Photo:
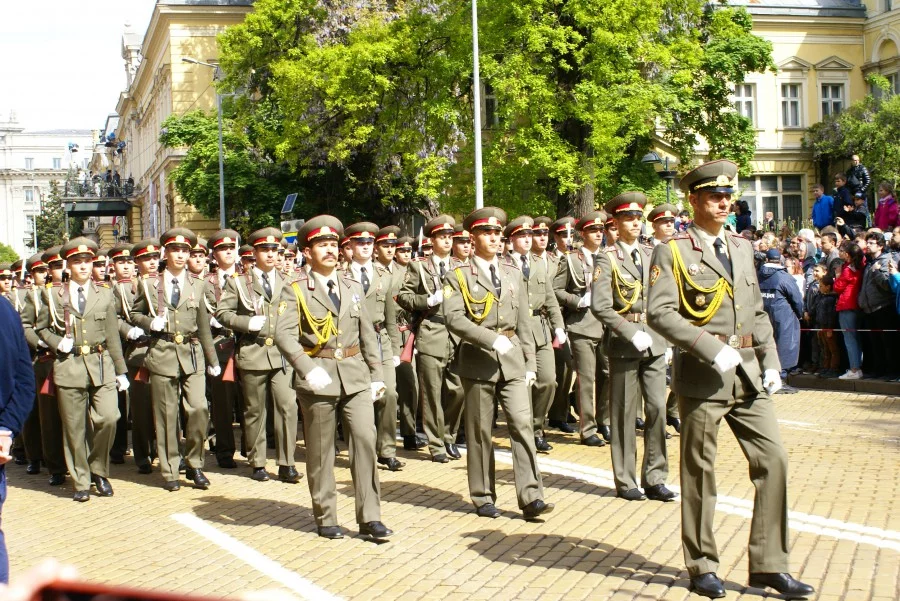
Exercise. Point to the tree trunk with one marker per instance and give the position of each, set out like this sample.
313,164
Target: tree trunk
584,198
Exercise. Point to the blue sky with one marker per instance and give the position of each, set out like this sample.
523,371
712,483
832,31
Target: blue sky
60,60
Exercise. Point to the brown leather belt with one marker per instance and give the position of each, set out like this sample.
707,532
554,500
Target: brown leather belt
736,341
337,353
539,312
507,333
378,326
85,349
221,332
635,317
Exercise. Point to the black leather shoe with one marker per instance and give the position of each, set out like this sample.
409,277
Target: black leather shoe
259,474
441,458
145,468
332,532
172,485
413,443
104,488
82,496
542,445
19,456
783,583
117,458
593,441
638,423
708,585
56,479
675,423
182,466
488,510
33,467
197,475
605,432
227,463
289,474
375,530
536,508
632,494
659,492
571,419
392,463
452,451
561,426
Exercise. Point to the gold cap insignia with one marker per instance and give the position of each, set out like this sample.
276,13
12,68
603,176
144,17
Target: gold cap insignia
82,248
493,221
179,239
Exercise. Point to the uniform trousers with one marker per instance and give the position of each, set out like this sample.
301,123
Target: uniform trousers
407,397
120,440
143,436
87,451
386,413
51,436
358,416
544,387
479,413
630,382
166,405
442,400
751,417
559,407
223,400
592,384
258,386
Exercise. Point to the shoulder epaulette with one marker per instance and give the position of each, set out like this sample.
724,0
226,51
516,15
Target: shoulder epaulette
511,264
420,259
196,276
103,284
150,276
54,285
681,236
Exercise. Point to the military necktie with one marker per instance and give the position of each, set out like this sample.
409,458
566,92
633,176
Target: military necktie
495,280
364,278
176,293
526,269
723,256
332,294
82,302
442,268
267,287
636,257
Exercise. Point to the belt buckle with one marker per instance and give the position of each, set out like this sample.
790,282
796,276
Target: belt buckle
338,354
269,341
179,338
85,349
643,318
734,341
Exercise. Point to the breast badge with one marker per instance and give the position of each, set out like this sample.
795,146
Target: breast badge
597,271
654,274
282,307
700,300
693,269
448,291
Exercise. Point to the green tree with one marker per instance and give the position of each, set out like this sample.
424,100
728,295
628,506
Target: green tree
51,223
7,254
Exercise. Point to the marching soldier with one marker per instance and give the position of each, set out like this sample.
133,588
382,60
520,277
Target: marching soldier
78,319
172,310
327,336
704,298
637,354
486,307
558,416
572,284
122,273
545,321
462,244
6,282
422,295
246,253
100,269
13,289
198,260
407,381
250,307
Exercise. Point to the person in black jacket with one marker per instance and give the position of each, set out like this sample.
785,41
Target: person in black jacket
784,304
858,178
17,391
842,194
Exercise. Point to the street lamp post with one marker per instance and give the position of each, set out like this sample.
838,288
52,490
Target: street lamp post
665,173
216,74
476,76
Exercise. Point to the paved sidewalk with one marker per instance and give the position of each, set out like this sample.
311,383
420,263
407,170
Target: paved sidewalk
241,535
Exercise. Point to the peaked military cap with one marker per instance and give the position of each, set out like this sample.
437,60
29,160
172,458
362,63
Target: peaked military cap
715,176
442,224
51,255
267,236
663,211
290,249
363,230
487,218
100,256
145,247
223,237
461,234
245,251
626,203
120,252
321,227
201,244
5,270
593,219
522,224
541,224
562,224
389,234
79,246
35,261
179,235
17,266
405,244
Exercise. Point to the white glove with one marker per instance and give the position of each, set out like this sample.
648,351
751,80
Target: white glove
560,336
530,378
727,359
669,355
159,323
134,333
65,345
42,344
214,370
396,360
585,300
772,381
436,299
122,383
318,379
502,345
642,340
378,390
256,323
214,323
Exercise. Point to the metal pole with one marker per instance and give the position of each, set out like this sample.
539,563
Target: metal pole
221,165
479,187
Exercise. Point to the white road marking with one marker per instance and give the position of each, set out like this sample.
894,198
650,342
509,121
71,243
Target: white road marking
802,522
271,568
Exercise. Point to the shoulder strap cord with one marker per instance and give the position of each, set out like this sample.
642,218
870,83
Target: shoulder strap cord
488,298
720,288
619,284
323,329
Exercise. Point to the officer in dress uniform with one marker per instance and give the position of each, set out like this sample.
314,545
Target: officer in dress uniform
246,254
326,334
27,445
486,307
121,274
422,295
545,319
250,306
100,268
78,319
704,298
573,291
462,244
407,381
637,354
171,309
199,259
563,231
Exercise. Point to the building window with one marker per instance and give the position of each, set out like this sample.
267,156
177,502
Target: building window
893,83
491,118
29,163
790,105
832,99
744,95
888,5
29,196
57,163
782,195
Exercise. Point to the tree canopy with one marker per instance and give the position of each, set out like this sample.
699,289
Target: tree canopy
7,254
51,223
